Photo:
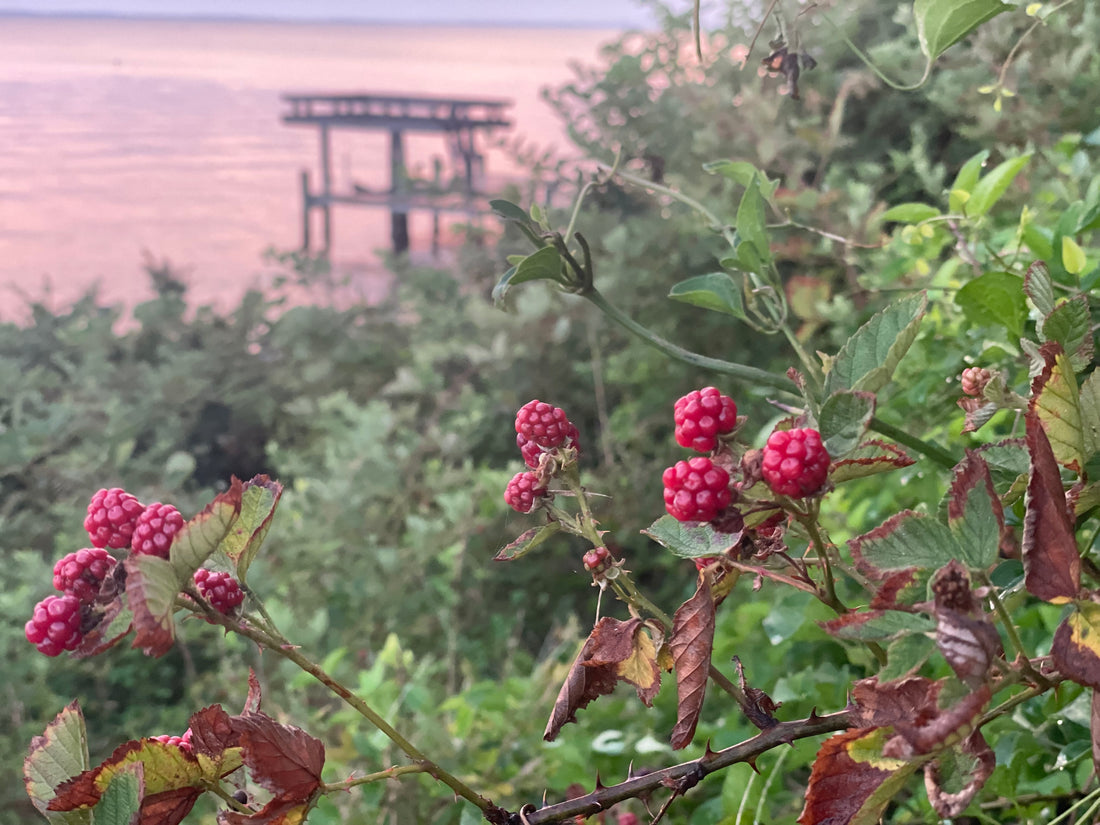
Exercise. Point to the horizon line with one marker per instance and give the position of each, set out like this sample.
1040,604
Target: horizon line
249,18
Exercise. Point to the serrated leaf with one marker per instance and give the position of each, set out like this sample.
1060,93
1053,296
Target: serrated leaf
690,540
995,299
1007,461
843,421
1089,400
995,183
121,801
716,291
527,542
691,643
868,359
1052,566
878,625
1039,288
1073,256
907,539
870,458
55,757
974,511
751,225
199,538
640,668
1070,324
1076,646
905,655
910,213
942,23
954,778
1056,402
258,501
151,589
851,782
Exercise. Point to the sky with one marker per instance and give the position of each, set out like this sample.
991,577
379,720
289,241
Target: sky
628,13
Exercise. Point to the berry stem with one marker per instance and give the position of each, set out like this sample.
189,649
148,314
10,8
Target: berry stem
226,797
293,654
389,773
1022,658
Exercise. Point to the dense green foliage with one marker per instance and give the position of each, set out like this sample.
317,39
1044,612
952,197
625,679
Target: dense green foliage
390,425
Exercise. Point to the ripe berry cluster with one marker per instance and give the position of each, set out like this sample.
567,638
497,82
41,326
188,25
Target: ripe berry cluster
541,428
115,519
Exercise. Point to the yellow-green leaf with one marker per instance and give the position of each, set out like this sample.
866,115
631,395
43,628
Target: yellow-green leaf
55,757
1073,257
1057,403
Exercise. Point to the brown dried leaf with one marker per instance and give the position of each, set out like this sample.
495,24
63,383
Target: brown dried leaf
582,685
169,807
852,781
691,644
978,412
1076,646
1052,567
957,775
949,727
912,699
281,758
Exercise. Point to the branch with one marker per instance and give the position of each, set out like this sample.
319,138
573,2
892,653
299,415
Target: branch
686,774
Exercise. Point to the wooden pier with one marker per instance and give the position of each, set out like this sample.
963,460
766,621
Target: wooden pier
459,121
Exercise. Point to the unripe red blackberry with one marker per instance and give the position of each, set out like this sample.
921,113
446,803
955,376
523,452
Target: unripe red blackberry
701,416
181,742
522,490
795,462
112,515
546,425
974,380
81,573
530,451
55,625
696,489
219,588
627,818
597,560
155,529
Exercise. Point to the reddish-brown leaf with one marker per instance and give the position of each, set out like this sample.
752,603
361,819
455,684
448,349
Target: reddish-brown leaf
594,672
1076,646
950,726
1052,567
964,634
112,625
852,782
900,589
691,644
168,807
913,699
213,732
969,765
869,458
151,588
978,412
281,758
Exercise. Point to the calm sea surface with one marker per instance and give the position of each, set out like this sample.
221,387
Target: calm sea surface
124,136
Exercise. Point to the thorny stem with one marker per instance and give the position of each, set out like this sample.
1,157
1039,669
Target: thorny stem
292,654
1010,628
388,773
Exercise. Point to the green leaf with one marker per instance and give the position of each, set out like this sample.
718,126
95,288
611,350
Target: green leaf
1070,324
965,181
501,286
974,512
942,23
739,171
541,265
905,540
199,538
1090,414
751,226
121,801
1039,288
510,211
878,625
55,757
905,655
151,588
843,421
690,540
717,291
993,185
910,213
995,299
868,359
259,498
1073,256
870,458
527,542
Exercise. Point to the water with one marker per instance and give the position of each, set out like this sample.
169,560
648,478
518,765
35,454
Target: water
121,138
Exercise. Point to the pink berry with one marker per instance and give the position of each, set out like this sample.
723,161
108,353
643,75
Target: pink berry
522,490
81,573
545,425
701,416
55,625
155,529
219,588
974,380
597,560
181,742
112,515
795,462
696,489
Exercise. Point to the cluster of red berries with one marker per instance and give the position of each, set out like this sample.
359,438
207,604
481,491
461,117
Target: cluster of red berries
181,742
540,428
974,380
794,462
115,519
597,560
